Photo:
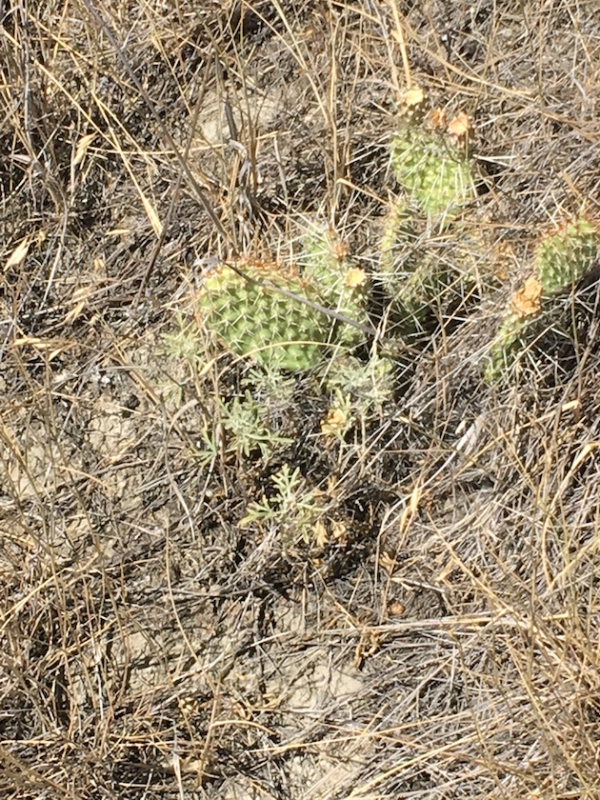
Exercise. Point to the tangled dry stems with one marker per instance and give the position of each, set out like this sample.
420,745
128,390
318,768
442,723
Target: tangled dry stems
440,639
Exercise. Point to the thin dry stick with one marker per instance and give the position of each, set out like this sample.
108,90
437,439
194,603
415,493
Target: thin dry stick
399,37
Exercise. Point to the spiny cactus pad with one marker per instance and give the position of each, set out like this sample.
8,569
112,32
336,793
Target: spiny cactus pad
436,175
414,275
278,331
561,260
565,257
258,321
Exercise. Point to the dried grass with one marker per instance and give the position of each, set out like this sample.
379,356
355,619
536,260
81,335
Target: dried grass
443,642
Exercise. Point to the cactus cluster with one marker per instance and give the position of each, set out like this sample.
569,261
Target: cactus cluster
436,174
561,260
437,179
255,319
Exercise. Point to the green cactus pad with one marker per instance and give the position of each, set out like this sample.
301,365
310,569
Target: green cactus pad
561,260
340,285
254,319
564,258
258,321
435,175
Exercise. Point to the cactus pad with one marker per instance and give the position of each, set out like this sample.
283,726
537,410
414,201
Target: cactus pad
417,274
561,260
435,174
564,258
340,285
254,319
398,243
258,321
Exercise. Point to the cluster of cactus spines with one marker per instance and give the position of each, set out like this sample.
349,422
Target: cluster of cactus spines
561,260
254,319
565,257
430,163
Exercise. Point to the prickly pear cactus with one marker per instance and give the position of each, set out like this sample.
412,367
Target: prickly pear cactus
510,339
430,159
399,244
561,260
566,257
420,274
432,165
276,330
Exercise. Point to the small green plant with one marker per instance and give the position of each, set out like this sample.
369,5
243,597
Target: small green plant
183,347
270,387
182,343
294,509
244,422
